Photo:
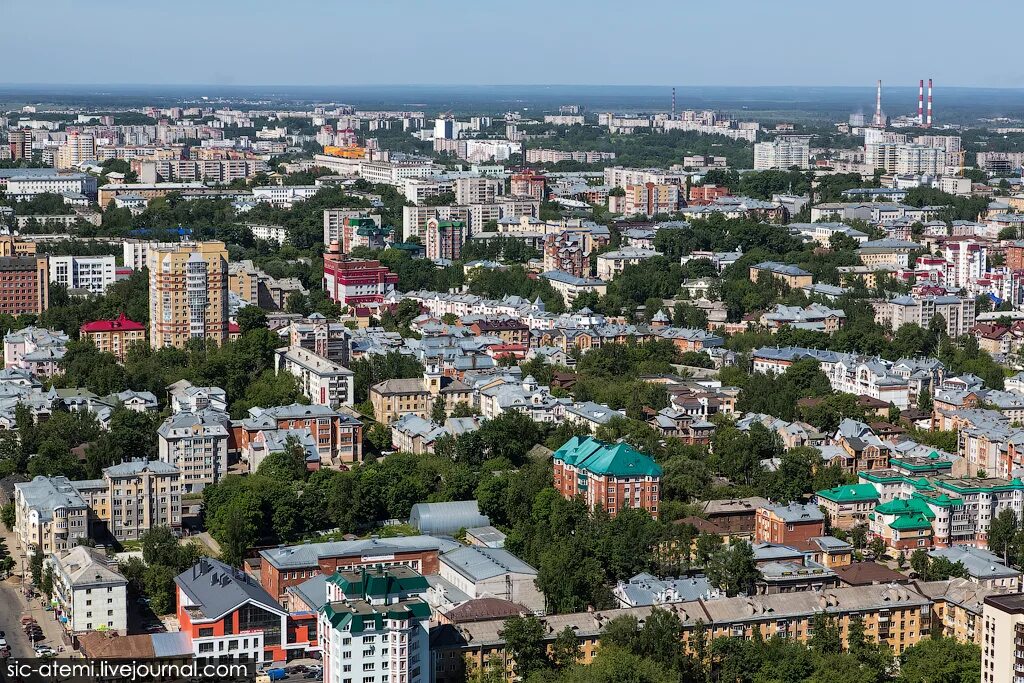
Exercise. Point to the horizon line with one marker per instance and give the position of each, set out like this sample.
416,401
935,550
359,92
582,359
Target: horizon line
870,85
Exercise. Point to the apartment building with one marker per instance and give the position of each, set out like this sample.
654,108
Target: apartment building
794,524
783,152
76,148
21,187
284,196
24,285
135,253
323,381
115,336
51,515
613,477
529,184
335,221
321,336
394,172
142,494
611,263
958,313
1002,646
792,276
571,287
849,505
445,239
91,273
337,437
89,591
396,397
376,626
197,445
352,282
188,294
648,199
222,171
480,190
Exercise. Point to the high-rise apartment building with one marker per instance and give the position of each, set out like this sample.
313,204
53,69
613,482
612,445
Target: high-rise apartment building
24,282
188,293
21,143
78,147
92,273
445,239
783,152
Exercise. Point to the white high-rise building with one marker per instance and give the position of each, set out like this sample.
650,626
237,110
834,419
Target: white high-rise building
783,152
375,626
93,273
920,160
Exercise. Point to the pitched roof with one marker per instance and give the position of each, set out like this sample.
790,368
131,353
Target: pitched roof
215,588
619,460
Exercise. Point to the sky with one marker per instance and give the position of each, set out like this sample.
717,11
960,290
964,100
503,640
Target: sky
536,42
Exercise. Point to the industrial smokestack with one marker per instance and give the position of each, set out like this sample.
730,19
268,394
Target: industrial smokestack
920,103
878,107
673,104
928,124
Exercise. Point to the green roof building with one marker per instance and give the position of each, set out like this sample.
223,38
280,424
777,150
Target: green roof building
376,620
612,476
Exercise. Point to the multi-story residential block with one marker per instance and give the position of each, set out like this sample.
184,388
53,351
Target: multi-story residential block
323,381
648,199
783,152
24,285
334,222
284,196
197,445
26,186
352,282
957,313
794,524
396,397
967,259
188,294
76,148
886,253
376,627
788,274
143,494
115,336
1002,646
92,273
269,233
529,184
336,437
445,239
21,346
849,505
223,171
612,477
227,615
89,591
136,252
570,286
321,336
50,514
612,263
480,190
287,566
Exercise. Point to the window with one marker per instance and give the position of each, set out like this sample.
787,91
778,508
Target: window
205,632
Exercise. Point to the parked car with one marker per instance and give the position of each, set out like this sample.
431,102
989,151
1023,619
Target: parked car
27,620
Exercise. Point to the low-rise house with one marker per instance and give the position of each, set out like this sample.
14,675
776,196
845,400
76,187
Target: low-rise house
790,275
592,415
337,436
983,567
735,515
681,425
396,397
89,591
815,317
183,396
790,524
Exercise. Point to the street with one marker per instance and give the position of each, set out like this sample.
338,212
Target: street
10,622
13,605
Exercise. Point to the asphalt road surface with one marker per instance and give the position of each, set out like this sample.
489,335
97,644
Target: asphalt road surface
10,621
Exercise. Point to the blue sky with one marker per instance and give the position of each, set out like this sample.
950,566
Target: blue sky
587,42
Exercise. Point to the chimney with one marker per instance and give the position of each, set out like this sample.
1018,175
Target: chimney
929,123
920,102
878,107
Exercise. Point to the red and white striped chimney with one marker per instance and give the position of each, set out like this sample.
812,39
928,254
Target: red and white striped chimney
920,103
929,122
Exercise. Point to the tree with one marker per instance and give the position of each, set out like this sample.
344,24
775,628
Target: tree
239,531
877,547
524,641
36,565
733,568
439,412
160,546
565,651
8,516
159,584
940,659
826,635
251,318
919,562
288,465
46,585
1002,534
379,436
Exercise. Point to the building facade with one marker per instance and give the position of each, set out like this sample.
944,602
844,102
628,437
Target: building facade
613,477
188,294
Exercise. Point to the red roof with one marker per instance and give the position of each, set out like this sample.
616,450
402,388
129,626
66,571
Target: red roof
122,323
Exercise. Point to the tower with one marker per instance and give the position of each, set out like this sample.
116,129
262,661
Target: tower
673,117
928,123
920,102
878,121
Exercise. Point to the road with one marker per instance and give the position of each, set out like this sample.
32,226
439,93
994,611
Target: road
10,620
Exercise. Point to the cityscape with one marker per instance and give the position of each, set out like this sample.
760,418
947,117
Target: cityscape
361,374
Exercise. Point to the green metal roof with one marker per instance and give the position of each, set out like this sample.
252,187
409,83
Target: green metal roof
905,507
850,493
378,582
910,523
617,460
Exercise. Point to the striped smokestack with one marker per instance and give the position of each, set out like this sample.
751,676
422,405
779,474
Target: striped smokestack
878,107
920,103
928,124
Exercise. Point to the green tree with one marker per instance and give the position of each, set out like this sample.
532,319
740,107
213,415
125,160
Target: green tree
524,641
826,635
940,659
1002,534
8,516
288,465
251,318
379,436
159,584
439,412
36,565
565,651
733,569
160,546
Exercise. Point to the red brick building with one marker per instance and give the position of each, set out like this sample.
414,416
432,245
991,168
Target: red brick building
529,184
291,565
350,281
338,436
794,524
705,194
24,282
612,476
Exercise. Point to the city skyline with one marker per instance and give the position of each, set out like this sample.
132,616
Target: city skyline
566,43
